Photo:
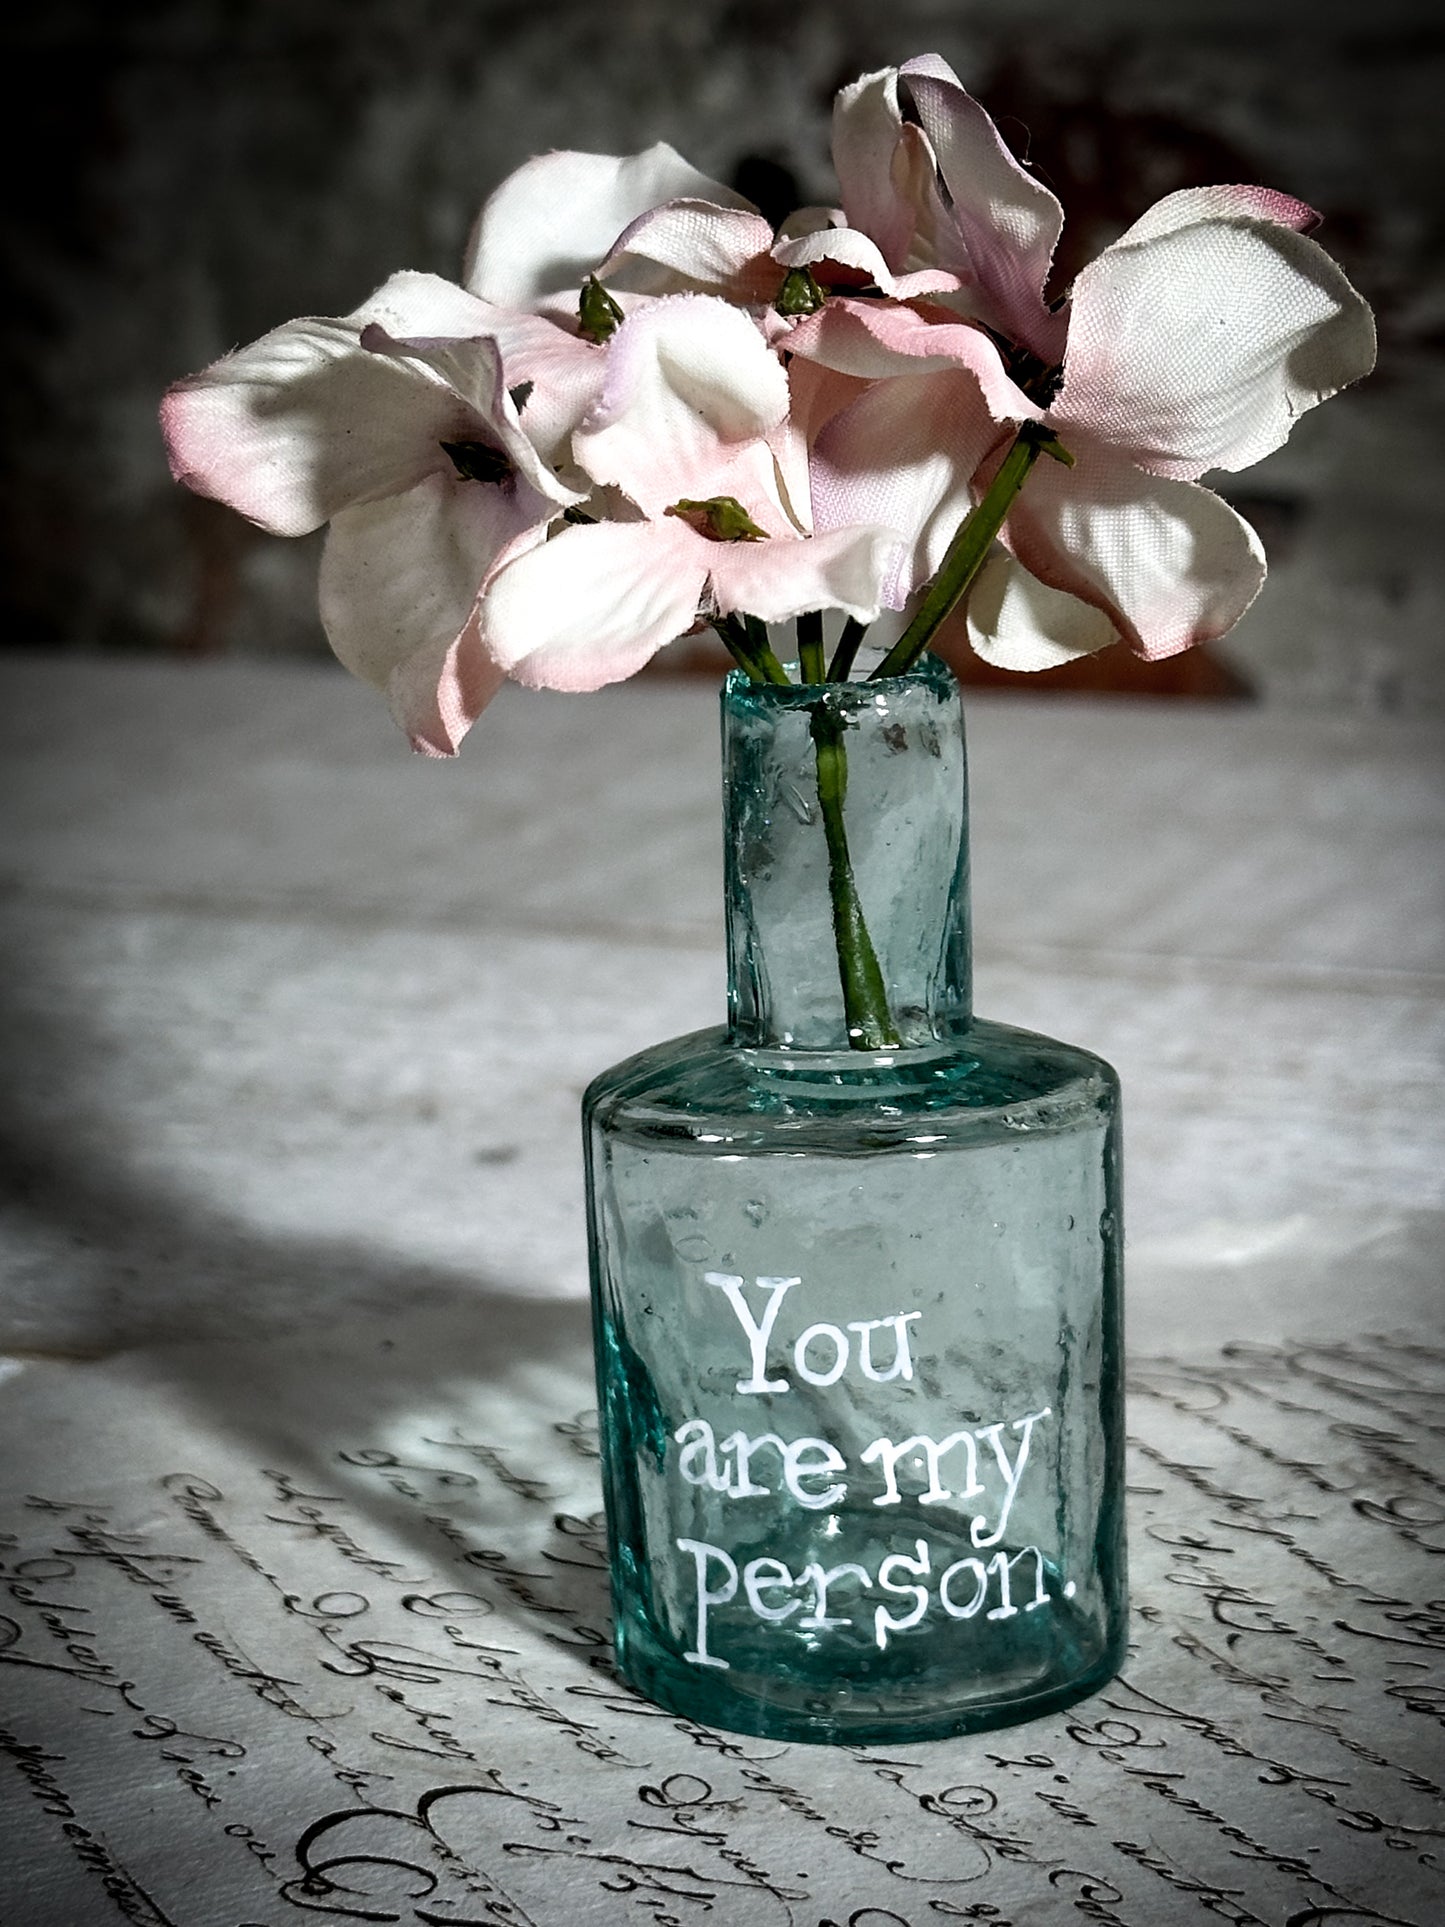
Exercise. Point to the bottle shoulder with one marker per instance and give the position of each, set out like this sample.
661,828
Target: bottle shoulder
993,1079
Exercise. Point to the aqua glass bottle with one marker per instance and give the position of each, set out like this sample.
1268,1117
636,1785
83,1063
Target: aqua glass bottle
858,1311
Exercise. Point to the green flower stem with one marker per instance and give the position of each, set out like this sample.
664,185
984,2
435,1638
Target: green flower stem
865,995
758,663
841,667
811,665
969,548
760,643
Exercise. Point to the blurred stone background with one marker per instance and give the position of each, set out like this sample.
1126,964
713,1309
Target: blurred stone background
185,174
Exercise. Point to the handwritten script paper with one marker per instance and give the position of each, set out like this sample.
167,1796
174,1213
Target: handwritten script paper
322,1631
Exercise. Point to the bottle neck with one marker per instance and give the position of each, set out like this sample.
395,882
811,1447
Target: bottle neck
900,865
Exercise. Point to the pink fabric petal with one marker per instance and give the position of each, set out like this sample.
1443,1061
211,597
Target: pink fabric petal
904,454
1168,562
304,423
867,124
592,605
399,577
1198,346
817,393
1017,622
844,569
565,372
874,339
548,225
438,694
839,254
925,281
473,370
935,236
692,390
1190,205
565,375
1006,222
694,247
775,328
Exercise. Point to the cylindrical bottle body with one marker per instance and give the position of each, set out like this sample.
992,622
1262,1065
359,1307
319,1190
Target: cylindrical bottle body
860,1379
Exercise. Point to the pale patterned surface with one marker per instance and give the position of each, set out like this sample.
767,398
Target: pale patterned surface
319,1632
294,1030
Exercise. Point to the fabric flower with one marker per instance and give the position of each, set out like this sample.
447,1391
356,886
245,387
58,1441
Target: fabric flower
550,224
402,426
688,430
691,245
651,224
944,193
1191,344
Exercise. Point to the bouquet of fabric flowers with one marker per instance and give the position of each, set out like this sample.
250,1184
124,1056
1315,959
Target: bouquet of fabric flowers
643,412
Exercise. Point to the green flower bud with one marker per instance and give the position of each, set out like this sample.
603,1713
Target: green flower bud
722,518
598,315
800,293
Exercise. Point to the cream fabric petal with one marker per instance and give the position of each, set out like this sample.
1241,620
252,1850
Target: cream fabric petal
593,604
548,225
810,220
844,569
304,423
1168,562
843,246
1007,221
1017,622
692,391
789,449
411,303
1199,345
904,454
400,576
694,247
